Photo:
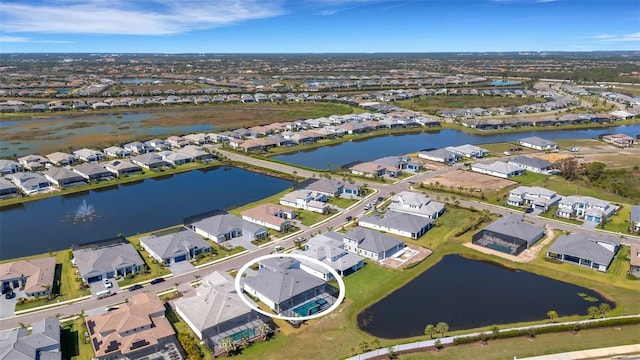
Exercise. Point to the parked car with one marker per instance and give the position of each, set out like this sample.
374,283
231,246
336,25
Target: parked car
157,281
107,283
528,210
6,290
135,287
10,295
278,248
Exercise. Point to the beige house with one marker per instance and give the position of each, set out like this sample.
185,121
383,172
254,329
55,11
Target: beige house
34,276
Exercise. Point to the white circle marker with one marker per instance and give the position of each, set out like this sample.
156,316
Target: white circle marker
298,257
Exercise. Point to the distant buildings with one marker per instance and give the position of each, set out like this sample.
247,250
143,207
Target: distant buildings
619,140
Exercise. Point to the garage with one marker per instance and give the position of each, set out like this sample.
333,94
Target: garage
94,279
180,258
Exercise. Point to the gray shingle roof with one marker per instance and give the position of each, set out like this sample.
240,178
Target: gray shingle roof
174,244
398,221
635,213
585,246
525,161
282,285
514,226
373,241
97,261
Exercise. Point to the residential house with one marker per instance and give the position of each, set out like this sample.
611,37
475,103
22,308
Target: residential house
532,164
93,172
175,158
177,142
178,246
34,276
64,177
371,244
440,155
306,200
509,234
158,145
136,147
42,343
199,138
135,329
328,187
223,227
634,260
329,249
415,204
538,143
595,252
30,183
107,259
62,159
7,188
33,162
195,152
151,161
89,155
585,207
351,190
216,312
9,166
533,196
470,151
620,140
634,218
270,216
368,169
402,224
116,152
122,168
498,169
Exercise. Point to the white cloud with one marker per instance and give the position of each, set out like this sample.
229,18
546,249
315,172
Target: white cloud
22,39
153,17
633,37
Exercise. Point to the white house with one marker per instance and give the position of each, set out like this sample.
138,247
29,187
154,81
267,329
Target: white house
372,244
89,155
532,164
470,151
498,169
415,204
533,196
306,200
585,207
538,143
271,216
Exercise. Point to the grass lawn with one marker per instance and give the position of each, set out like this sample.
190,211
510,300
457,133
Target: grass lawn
219,252
309,218
619,222
446,226
155,269
341,202
542,344
620,266
72,341
181,327
530,178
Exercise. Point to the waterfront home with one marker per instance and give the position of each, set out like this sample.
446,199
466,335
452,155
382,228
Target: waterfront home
372,244
306,200
136,147
533,196
7,188
532,164
415,204
537,143
116,152
175,158
122,167
223,227
585,207
270,216
42,342
620,140
509,234
89,155
30,183
62,159
498,169
198,139
634,260
195,152
134,329
183,245
151,161
106,260
158,144
595,252
634,218
328,187
93,172
177,142
440,155
33,162
216,312
467,150
368,169
63,177
34,276
395,164
9,166
329,248
402,224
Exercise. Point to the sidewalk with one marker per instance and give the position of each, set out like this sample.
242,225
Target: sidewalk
591,353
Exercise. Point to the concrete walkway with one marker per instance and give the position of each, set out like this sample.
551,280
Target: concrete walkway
593,353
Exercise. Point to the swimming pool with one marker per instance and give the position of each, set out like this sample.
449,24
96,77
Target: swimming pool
312,307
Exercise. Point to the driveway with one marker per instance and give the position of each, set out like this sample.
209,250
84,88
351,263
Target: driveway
241,241
181,267
8,306
99,286
589,225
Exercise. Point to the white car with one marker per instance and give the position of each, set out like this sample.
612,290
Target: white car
107,283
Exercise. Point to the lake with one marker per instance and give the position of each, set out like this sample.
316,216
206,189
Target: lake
128,209
330,157
469,294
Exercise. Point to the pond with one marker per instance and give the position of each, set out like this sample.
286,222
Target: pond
469,294
330,157
129,209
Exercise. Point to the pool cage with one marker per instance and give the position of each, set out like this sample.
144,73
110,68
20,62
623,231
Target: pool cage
500,242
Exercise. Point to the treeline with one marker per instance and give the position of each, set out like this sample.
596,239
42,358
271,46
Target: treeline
613,74
621,182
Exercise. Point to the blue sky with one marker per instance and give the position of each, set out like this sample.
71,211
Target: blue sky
317,26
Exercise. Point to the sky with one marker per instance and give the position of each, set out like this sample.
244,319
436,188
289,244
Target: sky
317,26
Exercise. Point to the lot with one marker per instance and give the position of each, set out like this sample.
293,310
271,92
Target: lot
468,179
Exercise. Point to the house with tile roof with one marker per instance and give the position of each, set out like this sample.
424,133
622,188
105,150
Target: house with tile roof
35,276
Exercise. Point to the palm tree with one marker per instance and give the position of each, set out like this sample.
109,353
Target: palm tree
593,311
82,317
47,289
553,315
428,330
227,345
375,343
364,345
603,309
263,330
442,328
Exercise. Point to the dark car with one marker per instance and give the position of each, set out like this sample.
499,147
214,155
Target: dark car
135,287
157,281
10,295
528,210
6,290
348,218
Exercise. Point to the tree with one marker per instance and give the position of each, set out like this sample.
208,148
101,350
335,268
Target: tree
495,330
603,309
438,344
568,168
429,329
263,330
553,315
595,170
442,328
375,343
47,288
593,311
227,345
364,345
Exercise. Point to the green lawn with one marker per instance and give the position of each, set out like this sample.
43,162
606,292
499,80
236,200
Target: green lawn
72,341
619,222
309,218
530,178
155,268
219,252
341,202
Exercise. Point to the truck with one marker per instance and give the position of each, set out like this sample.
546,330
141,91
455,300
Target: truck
104,294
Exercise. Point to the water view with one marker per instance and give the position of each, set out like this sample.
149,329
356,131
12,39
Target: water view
467,294
331,157
58,222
